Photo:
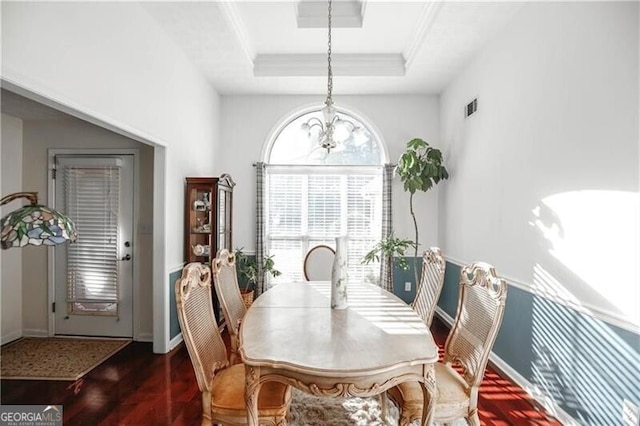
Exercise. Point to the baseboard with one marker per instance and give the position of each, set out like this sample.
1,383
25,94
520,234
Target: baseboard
145,337
34,332
15,335
175,341
532,390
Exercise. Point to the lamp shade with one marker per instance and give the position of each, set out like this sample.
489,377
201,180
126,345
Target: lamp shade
35,224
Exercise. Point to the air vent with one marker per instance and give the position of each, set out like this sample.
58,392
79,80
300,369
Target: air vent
471,107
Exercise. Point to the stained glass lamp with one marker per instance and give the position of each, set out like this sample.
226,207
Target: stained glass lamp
34,224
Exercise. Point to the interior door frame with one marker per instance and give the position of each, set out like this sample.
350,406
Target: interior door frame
160,282
51,162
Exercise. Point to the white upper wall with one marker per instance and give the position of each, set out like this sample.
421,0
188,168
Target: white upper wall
111,61
248,123
545,177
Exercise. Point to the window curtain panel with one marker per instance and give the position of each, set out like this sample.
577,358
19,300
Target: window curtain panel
260,187
386,262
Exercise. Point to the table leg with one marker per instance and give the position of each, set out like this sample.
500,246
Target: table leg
252,389
429,394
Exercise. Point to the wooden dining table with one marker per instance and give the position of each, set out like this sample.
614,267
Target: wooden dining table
291,335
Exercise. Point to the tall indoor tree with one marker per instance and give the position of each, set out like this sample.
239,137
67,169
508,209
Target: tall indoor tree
419,168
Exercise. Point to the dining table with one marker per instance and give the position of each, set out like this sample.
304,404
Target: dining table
290,334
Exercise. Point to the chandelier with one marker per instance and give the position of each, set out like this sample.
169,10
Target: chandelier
325,129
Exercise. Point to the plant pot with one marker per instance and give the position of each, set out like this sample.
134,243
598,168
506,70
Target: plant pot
247,297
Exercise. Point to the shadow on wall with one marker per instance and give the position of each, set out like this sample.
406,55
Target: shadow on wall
588,251
587,366
583,262
583,365
586,261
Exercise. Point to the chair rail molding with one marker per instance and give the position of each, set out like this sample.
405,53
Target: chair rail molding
577,305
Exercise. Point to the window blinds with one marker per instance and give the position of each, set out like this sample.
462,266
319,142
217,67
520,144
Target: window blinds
311,206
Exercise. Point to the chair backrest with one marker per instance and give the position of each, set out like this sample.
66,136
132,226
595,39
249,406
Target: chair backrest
431,282
481,305
225,280
199,329
318,263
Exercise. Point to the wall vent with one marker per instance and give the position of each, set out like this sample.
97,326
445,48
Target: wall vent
471,108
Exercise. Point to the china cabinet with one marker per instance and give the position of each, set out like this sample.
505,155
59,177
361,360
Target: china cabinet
208,214
208,217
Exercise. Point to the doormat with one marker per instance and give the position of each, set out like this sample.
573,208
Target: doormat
56,358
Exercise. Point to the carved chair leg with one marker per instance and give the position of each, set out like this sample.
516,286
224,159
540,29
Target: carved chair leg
473,419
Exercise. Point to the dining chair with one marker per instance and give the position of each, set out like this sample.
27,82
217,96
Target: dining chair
318,263
481,302
222,385
225,281
431,283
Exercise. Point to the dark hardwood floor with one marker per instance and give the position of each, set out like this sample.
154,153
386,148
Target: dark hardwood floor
137,387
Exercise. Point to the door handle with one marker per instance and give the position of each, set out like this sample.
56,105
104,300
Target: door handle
127,257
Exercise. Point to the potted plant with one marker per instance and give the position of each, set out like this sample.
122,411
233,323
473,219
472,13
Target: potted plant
390,249
247,270
419,168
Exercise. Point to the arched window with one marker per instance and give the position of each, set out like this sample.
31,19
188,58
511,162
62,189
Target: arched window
293,146
313,196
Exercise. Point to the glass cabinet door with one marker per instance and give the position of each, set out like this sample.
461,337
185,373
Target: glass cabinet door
199,225
224,219
208,214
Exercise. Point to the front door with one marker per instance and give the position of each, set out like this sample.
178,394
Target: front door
94,275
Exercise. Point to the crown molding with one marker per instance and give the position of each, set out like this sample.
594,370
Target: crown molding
232,16
425,23
299,65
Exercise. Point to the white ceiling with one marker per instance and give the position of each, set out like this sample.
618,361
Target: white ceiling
401,47
427,43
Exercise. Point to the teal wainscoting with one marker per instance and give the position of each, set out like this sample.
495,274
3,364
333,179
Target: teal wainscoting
400,277
589,367
174,325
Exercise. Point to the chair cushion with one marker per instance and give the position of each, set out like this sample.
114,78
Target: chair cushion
452,394
227,394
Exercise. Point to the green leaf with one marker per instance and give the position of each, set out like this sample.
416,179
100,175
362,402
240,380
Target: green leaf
435,155
416,144
390,246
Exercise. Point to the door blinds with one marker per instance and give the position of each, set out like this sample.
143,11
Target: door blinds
92,200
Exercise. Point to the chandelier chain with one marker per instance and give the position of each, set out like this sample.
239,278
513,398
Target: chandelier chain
330,72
